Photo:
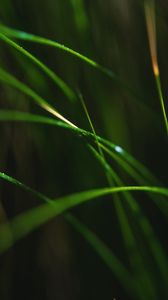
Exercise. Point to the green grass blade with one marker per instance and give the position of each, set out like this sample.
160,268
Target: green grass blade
17,34
28,221
160,93
133,167
6,115
140,218
141,176
143,277
37,39
59,82
149,6
67,202
12,81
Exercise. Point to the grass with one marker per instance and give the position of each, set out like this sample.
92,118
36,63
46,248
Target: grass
112,173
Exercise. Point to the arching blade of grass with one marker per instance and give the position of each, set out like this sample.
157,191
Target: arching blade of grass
12,81
37,39
140,218
142,277
151,28
132,166
138,175
26,222
17,34
59,82
50,210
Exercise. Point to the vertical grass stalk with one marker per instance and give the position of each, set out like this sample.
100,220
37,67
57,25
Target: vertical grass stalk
151,29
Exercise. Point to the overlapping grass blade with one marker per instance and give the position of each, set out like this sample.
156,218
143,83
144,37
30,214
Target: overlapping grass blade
150,238
132,166
144,278
141,176
12,81
37,39
26,222
59,82
50,210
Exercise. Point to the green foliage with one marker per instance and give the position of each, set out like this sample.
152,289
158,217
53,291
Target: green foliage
130,186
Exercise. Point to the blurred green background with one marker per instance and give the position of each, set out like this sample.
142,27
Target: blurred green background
54,262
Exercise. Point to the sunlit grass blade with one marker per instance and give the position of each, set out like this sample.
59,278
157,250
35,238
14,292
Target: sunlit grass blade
132,166
12,81
151,28
59,82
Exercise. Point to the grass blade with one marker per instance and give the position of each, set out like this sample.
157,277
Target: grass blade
12,81
26,222
151,28
140,218
63,204
132,166
59,82
37,39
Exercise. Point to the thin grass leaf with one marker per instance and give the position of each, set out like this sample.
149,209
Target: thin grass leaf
149,6
17,34
150,238
37,39
142,276
132,166
26,222
59,82
138,175
30,220
12,81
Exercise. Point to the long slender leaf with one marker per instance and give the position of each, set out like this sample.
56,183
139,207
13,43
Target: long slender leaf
59,82
11,80
49,210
